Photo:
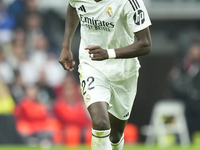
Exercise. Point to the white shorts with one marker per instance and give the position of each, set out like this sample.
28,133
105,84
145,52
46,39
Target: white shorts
119,95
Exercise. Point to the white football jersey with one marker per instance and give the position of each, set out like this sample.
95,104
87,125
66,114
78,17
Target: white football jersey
110,24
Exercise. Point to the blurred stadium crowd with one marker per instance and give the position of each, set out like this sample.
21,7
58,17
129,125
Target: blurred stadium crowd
32,82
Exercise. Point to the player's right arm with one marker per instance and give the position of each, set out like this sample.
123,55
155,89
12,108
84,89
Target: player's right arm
66,56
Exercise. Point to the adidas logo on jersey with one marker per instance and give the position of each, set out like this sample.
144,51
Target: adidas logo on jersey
82,8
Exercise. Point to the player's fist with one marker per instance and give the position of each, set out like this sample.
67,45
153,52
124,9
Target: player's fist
97,53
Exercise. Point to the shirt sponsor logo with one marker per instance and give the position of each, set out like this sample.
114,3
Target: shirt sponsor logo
139,17
109,12
92,23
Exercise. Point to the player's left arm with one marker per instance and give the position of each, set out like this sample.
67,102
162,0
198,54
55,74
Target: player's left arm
141,47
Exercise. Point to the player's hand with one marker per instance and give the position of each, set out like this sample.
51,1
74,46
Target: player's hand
66,59
97,53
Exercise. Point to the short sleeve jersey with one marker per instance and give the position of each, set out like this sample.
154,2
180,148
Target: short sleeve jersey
110,24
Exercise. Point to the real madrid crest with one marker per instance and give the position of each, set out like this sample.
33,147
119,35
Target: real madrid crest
88,97
109,12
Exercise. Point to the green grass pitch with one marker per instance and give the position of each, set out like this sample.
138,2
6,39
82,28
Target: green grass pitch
82,147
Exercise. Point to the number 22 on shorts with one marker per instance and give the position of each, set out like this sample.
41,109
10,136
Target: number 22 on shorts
87,83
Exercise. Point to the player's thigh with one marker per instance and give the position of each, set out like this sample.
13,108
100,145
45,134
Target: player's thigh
96,95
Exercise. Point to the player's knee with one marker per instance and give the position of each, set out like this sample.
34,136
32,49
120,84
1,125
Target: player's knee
101,124
115,137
